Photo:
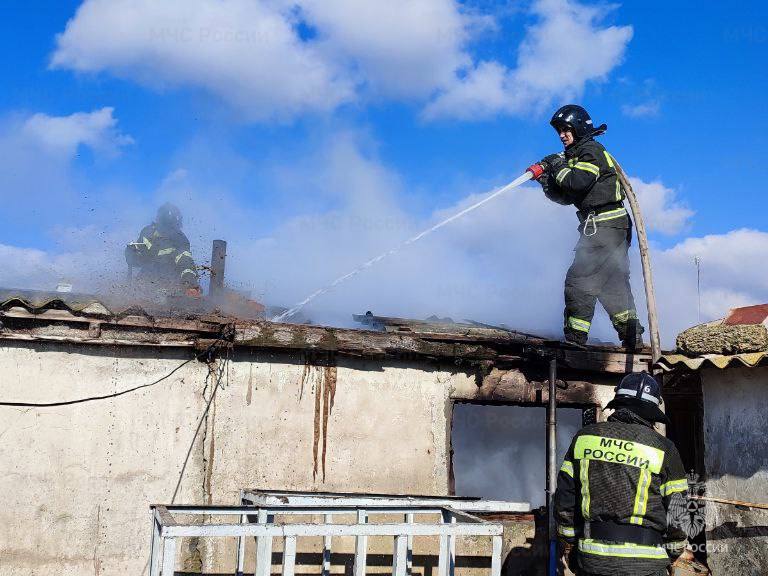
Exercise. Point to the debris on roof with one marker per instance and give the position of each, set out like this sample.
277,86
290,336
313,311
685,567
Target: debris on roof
722,339
739,339
435,325
72,318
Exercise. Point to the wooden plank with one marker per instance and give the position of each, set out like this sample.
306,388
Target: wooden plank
513,386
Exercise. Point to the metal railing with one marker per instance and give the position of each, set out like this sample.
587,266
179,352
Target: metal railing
258,520
277,498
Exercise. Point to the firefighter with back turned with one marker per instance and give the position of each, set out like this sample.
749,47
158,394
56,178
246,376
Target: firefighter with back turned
615,488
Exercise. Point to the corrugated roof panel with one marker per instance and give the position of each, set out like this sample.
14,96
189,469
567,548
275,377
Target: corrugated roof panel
36,301
671,362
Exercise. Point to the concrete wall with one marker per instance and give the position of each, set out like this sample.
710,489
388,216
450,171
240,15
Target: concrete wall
736,461
77,480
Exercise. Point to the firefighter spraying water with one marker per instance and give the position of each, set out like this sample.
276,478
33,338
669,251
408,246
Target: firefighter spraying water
588,177
585,176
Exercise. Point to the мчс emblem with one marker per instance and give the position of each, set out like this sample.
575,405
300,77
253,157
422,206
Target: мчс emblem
686,511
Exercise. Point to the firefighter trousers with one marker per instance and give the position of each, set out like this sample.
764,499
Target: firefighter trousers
600,272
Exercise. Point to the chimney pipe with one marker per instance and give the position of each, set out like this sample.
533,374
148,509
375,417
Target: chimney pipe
218,261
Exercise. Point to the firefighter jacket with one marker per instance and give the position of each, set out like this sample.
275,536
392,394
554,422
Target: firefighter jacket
590,182
164,258
614,489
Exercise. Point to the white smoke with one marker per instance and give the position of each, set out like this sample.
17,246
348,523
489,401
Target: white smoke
499,452
340,205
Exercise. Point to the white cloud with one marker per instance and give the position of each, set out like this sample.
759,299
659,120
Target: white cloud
36,153
97,130
727,260
275,59
26,268
662,212
91,262
402,48
730,276
648,109
254,55
37,173
567,48
245,51
485,90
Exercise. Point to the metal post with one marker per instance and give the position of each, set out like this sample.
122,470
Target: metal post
241,548
218,262
496,556
327,543
169,556
241,542
264,546
447,559
154,554
552,466
289,555
399,555
409,518
361,546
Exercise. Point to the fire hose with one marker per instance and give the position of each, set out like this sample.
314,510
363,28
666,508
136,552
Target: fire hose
537,170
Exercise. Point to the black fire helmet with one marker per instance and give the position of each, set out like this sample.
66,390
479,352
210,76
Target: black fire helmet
578,120
641,393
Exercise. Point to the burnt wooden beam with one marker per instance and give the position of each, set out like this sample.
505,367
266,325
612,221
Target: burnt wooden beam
512,386
487,347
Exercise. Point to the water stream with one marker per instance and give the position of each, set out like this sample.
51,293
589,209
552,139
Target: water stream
292,311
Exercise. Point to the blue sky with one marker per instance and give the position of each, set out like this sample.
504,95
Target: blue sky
262,115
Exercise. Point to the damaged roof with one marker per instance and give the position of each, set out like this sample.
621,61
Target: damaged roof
83,319
738,340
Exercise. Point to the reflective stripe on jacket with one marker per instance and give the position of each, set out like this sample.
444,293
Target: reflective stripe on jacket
590,182
624,472
164,256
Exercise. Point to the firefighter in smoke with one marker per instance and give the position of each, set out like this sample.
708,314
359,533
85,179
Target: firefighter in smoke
585,176
616,486
162,253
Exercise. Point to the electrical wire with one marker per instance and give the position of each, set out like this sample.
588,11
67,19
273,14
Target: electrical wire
108,396
224,367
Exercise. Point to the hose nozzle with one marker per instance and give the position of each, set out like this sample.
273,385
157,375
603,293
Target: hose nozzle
537,170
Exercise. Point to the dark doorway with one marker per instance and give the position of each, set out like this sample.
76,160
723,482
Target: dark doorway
499,452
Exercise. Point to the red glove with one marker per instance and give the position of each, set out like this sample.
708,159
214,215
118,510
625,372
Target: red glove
194,293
